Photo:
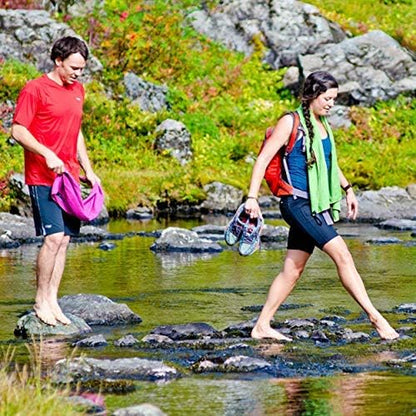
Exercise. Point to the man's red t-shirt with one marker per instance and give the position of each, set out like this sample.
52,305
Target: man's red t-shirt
52,113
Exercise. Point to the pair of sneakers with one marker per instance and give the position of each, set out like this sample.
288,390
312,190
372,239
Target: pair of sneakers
244,230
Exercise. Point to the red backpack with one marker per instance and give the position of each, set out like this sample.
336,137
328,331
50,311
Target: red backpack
273,173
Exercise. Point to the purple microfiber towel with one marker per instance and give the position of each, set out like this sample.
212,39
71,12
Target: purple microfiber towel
66,192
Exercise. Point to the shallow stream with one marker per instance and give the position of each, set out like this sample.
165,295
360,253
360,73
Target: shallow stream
183,288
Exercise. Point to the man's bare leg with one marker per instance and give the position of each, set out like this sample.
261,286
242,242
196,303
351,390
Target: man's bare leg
351,280
280,289
56,280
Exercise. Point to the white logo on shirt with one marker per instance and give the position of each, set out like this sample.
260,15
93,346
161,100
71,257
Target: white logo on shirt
78,98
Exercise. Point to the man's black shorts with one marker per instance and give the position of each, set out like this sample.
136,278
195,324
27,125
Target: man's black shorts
49,218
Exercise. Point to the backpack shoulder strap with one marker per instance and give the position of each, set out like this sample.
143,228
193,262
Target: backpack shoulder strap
294,133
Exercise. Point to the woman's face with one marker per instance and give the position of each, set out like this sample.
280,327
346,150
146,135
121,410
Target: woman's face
322,104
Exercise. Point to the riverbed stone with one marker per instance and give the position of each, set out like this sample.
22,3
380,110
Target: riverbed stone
157,339
406,308
398,224
350,336
92,342
245,364
18,228
195,330
30,324
98,310
221,198
210,229
383,240
300,323
87,369
139,213
175,239
126,341
145,409
271,233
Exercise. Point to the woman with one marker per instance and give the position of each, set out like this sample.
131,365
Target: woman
316,179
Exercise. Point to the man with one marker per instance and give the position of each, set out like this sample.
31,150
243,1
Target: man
47,123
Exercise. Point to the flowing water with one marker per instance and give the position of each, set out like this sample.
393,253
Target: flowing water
182,288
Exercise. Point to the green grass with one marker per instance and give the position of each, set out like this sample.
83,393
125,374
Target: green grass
225,99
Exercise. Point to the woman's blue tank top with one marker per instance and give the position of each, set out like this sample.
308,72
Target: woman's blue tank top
296,161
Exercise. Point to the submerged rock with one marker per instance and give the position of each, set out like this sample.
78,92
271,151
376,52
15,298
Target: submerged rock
87,369
30,324
406,307
126,341
98,310
244,364
93,342
187,331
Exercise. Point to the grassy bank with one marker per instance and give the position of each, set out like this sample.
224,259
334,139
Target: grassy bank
225,99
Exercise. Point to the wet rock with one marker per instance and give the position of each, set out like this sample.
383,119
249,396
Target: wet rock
20,191
383,240
187,331
175,239
7,242
350,336
210,229
92,404
156,339
386,203
98,310
205,366
173,137
245,364
30,324
271,233
17,228
242,329
221,198
126,341
272,214
302,334
106,246
334,318
299,323
284,307
319,337
398,224
328,323
144,409
87,369
406,307
269,201
92,342
411,190
148,96
139,213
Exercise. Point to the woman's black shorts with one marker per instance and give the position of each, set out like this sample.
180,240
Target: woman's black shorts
306,231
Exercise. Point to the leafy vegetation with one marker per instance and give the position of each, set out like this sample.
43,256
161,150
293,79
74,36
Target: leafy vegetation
225,99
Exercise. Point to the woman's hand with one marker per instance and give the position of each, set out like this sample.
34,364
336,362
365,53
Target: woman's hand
252,208
352,204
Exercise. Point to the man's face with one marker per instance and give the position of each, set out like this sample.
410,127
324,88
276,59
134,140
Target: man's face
70,68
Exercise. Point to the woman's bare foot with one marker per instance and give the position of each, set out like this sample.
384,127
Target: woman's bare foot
261,333
45,314
383,328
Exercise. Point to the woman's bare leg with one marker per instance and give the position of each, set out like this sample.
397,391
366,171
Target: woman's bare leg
351,280
280,289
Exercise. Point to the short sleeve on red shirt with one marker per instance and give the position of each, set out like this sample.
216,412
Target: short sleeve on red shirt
52,113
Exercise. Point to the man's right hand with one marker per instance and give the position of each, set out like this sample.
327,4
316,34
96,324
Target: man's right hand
54,163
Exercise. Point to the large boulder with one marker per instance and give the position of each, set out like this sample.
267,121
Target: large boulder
28,35
17,229
98,310
173,137
148,96
288,28
368,68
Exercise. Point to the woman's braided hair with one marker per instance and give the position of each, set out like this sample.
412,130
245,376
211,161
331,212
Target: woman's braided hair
315,84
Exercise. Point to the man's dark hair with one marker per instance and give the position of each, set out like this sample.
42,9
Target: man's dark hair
68,45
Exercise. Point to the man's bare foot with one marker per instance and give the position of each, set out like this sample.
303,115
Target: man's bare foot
262,333
58,314
384,329
45,314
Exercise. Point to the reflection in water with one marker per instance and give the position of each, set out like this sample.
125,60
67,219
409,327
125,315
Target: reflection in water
172,260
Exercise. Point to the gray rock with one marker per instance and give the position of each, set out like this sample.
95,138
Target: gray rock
355,336
205,366
157,339
241,329
126,341
88,369
187,331
411,190
269,201
339,117
274,233
106,246
209,229
398,224
319,337
18,228
26,35
244,364
93,342
299,323
139,213
88,405
175,239
148,96
302,334
98,310
406,307
221,197
144,409
383,240
30,324
173,137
